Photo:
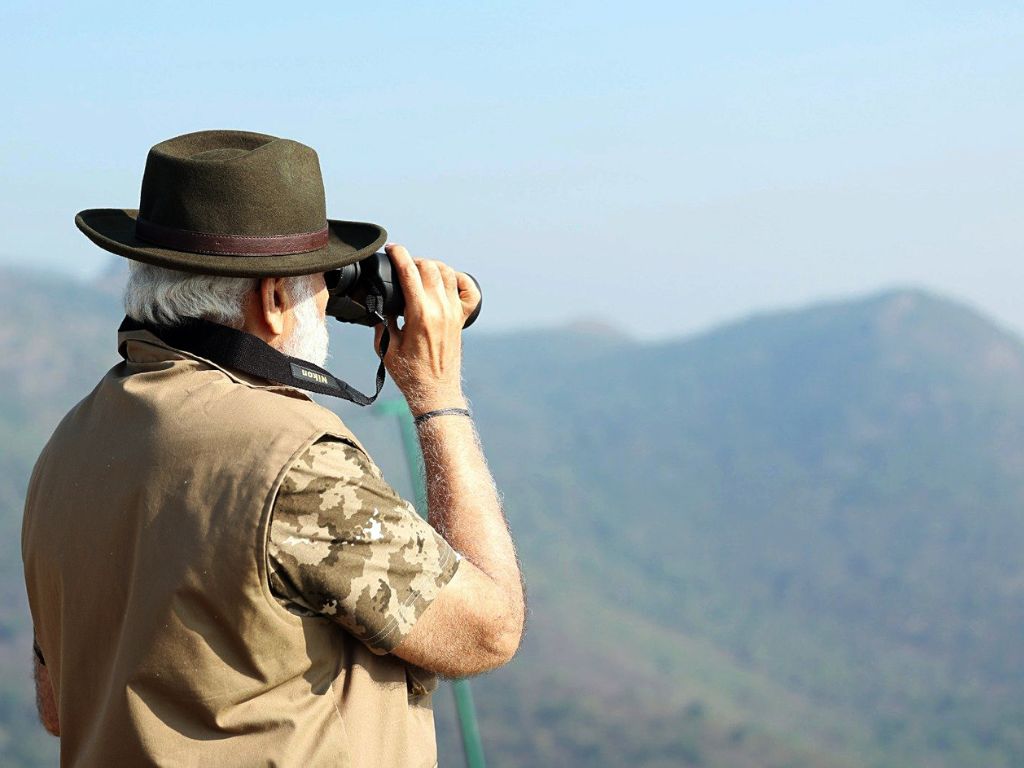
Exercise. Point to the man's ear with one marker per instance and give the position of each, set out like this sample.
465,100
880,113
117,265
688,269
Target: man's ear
272,304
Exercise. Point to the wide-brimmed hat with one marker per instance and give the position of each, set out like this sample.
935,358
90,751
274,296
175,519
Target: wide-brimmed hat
232,203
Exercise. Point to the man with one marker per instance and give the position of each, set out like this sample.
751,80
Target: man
217,572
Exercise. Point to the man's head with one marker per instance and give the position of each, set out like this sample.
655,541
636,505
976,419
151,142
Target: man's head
286,312
232,203
227,208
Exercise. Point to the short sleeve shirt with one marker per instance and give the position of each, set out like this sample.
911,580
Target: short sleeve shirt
343,544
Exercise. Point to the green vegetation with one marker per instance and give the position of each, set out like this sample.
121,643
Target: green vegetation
793,541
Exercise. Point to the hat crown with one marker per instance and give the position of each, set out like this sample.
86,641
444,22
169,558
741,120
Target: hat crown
233,183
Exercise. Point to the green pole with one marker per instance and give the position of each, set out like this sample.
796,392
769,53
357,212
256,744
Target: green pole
471,743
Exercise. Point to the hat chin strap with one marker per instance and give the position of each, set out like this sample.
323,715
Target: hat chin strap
241,351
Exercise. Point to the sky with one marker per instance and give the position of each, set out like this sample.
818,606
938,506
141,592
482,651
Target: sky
657,167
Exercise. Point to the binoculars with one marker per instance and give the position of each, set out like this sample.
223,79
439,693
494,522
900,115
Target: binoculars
354,287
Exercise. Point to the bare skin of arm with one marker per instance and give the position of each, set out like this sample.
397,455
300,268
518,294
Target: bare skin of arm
476,621
46,702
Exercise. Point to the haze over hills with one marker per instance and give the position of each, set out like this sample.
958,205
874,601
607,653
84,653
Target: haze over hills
791,541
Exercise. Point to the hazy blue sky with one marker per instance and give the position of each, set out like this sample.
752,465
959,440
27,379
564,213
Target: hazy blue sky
664,166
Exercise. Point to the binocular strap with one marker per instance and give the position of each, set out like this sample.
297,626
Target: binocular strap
231,348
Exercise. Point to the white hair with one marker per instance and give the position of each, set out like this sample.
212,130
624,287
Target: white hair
309,339
168,297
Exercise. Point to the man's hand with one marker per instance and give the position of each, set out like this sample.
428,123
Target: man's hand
476,621
424,357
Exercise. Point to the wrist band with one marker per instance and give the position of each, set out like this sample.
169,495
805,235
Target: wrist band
442,412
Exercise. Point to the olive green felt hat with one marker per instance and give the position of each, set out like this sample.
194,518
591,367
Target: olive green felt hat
232,203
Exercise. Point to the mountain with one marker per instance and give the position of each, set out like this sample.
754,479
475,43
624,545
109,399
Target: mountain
791,541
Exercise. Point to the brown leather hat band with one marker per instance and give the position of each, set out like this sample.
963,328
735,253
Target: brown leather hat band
229,245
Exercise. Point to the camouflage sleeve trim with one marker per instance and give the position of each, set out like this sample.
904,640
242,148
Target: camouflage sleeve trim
344,545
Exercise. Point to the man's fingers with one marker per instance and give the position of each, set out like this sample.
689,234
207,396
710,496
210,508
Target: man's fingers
393,329
451,282
430,274
425,282
408,274
451,285
469,294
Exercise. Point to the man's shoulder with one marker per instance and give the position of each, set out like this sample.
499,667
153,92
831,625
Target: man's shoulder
282,410
336,456
221,394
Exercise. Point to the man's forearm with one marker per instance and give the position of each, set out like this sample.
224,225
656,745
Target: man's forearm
476,622
465,508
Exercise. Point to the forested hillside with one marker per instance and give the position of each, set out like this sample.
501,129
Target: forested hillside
793,541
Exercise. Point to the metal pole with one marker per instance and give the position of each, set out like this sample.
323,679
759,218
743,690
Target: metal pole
471,743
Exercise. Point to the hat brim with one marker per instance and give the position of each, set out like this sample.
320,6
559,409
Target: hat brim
113,229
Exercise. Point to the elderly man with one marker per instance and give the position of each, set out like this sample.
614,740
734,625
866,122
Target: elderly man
217,572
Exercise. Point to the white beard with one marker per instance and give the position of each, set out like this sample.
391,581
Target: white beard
309,339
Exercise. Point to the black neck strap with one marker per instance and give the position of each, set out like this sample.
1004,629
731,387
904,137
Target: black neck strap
230,348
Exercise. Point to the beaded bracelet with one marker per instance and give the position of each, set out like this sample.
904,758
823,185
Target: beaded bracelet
442,412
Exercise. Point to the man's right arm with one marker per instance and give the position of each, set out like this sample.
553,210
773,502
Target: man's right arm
476,621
